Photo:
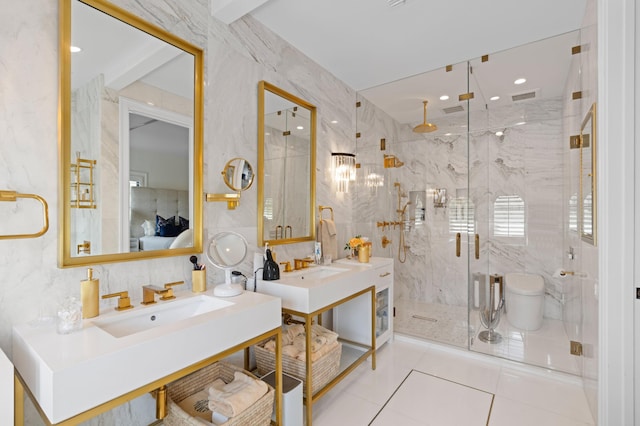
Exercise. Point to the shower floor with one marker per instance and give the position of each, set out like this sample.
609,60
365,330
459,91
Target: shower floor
547,347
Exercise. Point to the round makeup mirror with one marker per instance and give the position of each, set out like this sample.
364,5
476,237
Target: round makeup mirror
226,250
238,174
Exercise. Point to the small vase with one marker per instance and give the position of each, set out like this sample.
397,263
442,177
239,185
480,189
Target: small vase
363,255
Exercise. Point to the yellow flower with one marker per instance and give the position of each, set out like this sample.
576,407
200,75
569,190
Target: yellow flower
355,242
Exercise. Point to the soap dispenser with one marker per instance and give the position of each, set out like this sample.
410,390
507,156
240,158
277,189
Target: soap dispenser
89,295
270,271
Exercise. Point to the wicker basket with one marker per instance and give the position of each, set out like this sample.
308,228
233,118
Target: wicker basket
323,370
258,414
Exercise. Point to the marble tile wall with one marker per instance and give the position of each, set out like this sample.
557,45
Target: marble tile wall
236,58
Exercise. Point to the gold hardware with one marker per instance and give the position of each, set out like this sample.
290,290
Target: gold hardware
232,199
448,68
575,348
358,165
466,96
358,104
576,95
124,301
82,185
391,161
287,266
357,135
565,273
161,402
574,142
84,248
485,58
13,196
385,241
477,244
149,292
576,49
321,208
286,133
386,274
383,144
302,263
169,286
458,241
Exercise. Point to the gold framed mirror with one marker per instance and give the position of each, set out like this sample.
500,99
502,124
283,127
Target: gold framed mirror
286,167
130,82
588,190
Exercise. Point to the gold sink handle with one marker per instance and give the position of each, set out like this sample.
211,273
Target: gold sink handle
124,302
287,266
169,294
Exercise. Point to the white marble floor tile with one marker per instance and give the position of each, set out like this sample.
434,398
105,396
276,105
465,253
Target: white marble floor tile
460,369
434,401
340,408
506,412
546,393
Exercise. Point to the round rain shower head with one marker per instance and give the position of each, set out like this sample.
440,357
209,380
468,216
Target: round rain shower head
425,127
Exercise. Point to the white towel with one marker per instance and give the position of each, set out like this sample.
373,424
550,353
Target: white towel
327,235
235,397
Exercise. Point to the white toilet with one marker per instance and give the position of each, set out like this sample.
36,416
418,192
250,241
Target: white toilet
524,300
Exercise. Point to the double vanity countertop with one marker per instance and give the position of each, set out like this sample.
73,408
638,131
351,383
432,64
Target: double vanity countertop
118,352
315,287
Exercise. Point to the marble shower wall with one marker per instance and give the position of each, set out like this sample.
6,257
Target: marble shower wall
528,161
236,58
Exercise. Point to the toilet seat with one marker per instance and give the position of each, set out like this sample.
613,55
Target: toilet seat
525,284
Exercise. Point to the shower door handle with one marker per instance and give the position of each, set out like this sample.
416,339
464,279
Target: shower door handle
477,241
458,239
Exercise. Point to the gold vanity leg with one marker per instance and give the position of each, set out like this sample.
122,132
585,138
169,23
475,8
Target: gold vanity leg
247,358
373,328
307,327
161,402
279,377
18,402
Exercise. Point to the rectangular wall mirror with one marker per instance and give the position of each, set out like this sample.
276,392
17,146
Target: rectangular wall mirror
588,177
131,103
286,167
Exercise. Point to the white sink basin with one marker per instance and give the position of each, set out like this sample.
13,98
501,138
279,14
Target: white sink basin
160,314
315,273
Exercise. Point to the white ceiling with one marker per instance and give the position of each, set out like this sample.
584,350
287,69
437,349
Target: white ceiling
367,42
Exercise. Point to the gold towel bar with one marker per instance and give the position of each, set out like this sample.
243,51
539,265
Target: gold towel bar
13,196
321,208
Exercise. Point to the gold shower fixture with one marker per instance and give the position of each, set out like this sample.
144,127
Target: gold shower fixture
425,127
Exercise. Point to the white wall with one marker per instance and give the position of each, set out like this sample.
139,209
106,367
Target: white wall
237,57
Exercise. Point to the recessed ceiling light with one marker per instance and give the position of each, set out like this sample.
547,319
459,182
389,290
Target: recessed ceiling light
447,134
300,128
494,98
520,81
334,121
499,133
444,97
267,134
521,123
75,49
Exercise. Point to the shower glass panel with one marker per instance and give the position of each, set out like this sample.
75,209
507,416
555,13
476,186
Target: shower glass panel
519,169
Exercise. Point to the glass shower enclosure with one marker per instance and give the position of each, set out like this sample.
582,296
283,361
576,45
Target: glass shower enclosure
489,194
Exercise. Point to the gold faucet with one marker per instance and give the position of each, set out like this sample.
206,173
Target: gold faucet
287,266
302,263
149,292
124,302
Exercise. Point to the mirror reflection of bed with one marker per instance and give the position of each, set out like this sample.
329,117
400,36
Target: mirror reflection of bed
159,219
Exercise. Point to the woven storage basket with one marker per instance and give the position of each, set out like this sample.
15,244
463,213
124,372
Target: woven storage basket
323,370
258,414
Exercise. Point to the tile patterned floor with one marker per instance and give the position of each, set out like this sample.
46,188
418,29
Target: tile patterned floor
421,383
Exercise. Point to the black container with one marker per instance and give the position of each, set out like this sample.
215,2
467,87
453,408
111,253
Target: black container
271,271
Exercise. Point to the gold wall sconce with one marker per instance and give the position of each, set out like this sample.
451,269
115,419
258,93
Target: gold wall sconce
232,200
